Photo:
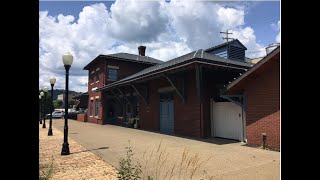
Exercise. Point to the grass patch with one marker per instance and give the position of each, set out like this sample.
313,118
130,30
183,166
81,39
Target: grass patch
46,170
158,164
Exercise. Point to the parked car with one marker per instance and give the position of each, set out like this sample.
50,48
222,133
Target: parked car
56,114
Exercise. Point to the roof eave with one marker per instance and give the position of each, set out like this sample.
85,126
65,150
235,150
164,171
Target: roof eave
86,67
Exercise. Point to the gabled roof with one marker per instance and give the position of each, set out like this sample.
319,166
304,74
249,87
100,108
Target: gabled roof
196,56
224,44
256,67
126,57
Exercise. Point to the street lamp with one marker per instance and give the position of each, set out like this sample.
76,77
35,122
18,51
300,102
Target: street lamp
40,109
67,59
52,81
45,90
41,106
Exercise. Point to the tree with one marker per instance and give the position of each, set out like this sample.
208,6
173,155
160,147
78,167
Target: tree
58,104
71,103
46,105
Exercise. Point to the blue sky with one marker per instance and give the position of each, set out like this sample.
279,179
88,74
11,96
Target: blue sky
169,30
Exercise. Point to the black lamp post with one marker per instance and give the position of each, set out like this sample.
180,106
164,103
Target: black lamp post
52,81
40,120
67,61
41,106
45,90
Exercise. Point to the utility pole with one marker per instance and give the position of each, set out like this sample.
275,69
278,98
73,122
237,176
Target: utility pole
227,35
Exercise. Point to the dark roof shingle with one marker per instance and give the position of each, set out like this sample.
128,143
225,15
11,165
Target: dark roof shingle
135,57
126,57
198,54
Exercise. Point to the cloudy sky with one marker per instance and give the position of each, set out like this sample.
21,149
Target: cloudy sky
168,29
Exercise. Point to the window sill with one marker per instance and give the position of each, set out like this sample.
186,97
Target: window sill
90,116
97,117
91,83
97,81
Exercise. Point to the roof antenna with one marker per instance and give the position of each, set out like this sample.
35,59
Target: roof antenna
227,35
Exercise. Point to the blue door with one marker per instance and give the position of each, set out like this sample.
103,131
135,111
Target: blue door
166,115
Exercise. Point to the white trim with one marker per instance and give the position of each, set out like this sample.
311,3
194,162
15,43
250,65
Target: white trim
92,72
97,97
113,67
91,83
97,81
98,69
90,116
96,116
94,88
91,98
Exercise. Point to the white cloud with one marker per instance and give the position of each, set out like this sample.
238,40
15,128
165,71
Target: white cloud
247,37
278,38
275,26
167,29
133,21
198,24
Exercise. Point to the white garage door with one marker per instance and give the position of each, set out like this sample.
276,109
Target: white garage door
227,120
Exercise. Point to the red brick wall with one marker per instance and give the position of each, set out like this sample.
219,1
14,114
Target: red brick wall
93,84
125,69
82,117
149,115
263,105
208,92
186,116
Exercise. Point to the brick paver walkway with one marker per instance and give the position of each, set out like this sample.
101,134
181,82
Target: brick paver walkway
80,164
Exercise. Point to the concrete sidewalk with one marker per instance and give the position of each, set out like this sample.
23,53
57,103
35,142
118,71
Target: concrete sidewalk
229,159
80,164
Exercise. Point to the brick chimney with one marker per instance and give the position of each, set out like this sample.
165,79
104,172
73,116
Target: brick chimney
142,50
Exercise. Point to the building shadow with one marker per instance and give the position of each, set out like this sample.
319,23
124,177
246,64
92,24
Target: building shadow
211,140
101,148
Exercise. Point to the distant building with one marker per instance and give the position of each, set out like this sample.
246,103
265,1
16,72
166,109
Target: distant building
60,97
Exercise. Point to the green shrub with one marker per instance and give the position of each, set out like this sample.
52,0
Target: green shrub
128,170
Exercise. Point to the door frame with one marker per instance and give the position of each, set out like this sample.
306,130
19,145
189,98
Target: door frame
170,99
